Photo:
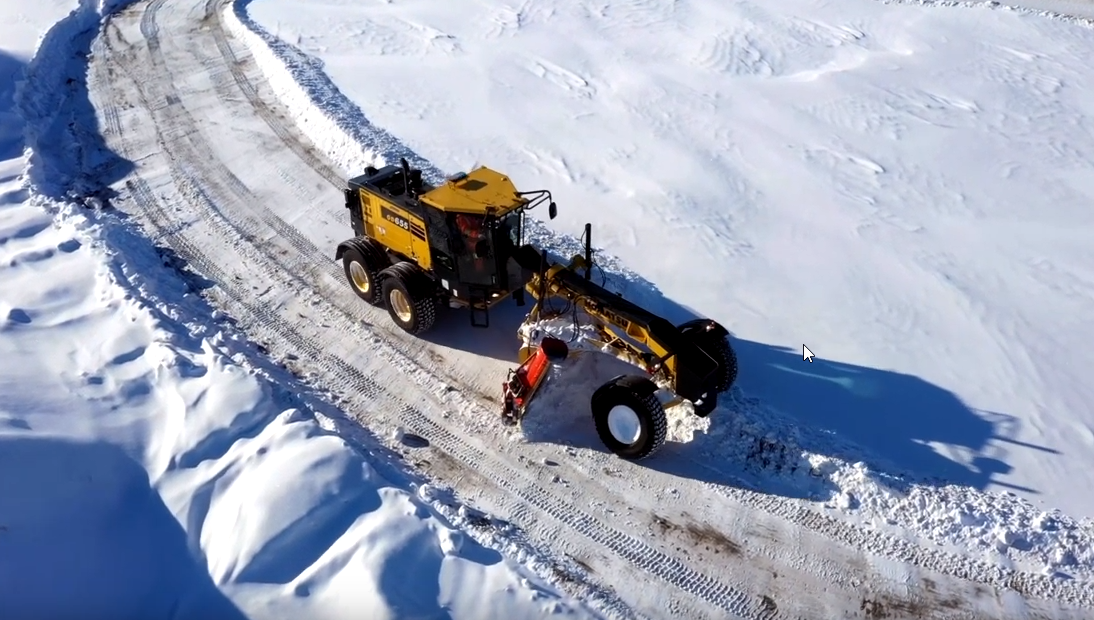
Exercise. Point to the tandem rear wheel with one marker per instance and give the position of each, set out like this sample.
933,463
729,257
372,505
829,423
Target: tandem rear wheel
409,298
361,272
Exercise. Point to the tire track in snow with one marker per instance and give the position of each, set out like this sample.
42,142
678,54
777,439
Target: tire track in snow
830,527
202,152
523,487
257,317
307,252
876,543
212,16
837,530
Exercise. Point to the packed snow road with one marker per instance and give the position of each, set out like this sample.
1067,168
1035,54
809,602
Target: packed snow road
223,178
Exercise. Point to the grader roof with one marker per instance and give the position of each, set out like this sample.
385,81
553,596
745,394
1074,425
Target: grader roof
475,192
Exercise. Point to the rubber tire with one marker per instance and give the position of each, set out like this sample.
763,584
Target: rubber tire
719,349
638,393
423,309
353,255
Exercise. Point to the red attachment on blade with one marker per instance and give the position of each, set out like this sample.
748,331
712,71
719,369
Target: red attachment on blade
524,381
531,373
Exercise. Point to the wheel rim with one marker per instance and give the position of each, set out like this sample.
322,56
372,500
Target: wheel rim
359,276
624,424
401,305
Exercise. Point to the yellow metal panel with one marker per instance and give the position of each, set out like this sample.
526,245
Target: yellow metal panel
366,214
481,188
420,243
397,229
392,227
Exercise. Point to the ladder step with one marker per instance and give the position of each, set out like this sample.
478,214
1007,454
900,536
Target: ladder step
479,309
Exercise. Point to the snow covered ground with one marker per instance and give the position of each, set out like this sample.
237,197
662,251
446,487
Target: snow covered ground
906,189
906,185
151,463
902,187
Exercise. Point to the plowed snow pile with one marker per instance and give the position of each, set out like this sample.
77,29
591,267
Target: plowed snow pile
147,467
903,187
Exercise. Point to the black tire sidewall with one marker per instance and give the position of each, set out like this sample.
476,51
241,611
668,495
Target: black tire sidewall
374,295
730,357
717,347
602,404
390,284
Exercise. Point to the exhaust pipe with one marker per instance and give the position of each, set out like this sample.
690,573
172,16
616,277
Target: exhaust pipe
588,250
406,175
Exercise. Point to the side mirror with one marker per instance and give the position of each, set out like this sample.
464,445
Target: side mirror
552,210
482,249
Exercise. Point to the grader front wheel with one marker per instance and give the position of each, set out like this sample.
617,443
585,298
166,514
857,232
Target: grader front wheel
715,343
628,417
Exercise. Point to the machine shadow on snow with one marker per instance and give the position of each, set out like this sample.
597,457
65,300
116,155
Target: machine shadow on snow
11,124
499,340
781,405
884,418
84,533
893,417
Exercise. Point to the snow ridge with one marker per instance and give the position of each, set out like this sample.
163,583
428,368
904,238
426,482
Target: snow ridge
999,6
197,456
39,106
320,110
762,441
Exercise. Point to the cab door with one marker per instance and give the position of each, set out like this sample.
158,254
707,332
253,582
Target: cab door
470,235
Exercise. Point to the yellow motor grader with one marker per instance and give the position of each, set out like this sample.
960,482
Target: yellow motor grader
418,248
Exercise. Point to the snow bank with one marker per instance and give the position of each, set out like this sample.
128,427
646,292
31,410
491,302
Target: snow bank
83,530
338,127
152,462
763,55
335,126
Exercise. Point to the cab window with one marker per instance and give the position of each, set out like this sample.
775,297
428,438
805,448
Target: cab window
471,233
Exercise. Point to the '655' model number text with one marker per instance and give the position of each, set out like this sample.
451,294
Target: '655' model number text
395,218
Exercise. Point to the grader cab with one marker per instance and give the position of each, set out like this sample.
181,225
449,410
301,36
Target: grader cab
417,246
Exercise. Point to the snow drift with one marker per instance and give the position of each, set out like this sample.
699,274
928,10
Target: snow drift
152,462
867,141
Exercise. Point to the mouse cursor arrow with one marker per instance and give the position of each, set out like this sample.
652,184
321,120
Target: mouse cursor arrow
807,355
